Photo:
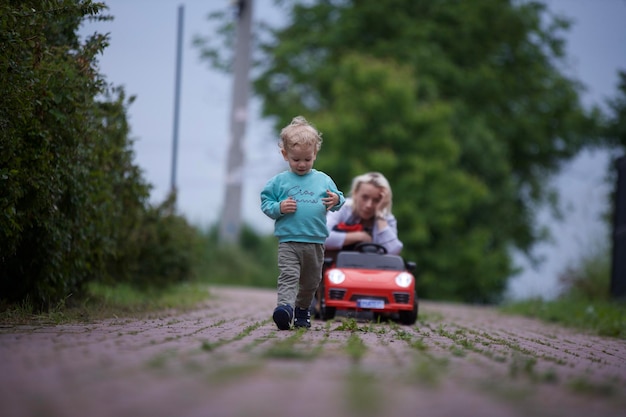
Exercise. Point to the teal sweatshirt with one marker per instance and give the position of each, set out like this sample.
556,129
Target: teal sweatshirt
308,223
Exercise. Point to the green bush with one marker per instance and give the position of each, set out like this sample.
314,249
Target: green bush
590,277
157,251
252,262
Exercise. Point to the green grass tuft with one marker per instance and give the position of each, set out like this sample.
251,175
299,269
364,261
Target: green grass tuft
605,318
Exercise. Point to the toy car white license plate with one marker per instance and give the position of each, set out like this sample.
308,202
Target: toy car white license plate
369,303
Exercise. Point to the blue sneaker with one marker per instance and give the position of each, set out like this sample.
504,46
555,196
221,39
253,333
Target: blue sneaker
303,318
282,317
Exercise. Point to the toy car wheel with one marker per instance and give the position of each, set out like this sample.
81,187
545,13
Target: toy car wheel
326,313
380,317
408,317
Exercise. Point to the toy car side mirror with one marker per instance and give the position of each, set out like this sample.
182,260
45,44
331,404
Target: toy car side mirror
328,262
411,266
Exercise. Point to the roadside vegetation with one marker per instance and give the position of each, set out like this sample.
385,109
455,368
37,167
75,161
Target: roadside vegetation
585,301
251,262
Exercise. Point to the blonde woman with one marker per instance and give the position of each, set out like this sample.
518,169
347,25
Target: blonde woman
366,216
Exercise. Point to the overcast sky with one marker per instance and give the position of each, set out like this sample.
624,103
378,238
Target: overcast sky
141,57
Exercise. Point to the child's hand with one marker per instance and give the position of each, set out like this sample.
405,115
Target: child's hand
288,205
331,201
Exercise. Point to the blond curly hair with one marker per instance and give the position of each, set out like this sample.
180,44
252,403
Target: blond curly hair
300,133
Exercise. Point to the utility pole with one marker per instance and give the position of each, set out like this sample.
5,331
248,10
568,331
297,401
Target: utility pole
618,267
179,59
230,225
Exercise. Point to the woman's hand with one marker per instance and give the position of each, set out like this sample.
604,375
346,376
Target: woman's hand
383,204
381,221
357,237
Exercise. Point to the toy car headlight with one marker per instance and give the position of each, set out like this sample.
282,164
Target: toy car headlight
336,276
404,279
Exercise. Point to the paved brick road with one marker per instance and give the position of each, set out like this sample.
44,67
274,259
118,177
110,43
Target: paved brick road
227,359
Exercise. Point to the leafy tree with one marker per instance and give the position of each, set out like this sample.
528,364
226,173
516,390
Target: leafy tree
460,104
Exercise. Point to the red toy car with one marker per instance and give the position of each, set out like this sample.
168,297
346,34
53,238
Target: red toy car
369,279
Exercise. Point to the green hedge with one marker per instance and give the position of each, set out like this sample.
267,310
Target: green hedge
73,206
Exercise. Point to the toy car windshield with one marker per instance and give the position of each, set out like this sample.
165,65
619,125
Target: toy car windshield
360,260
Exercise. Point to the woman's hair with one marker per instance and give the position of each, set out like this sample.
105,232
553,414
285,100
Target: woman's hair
300,133
377,179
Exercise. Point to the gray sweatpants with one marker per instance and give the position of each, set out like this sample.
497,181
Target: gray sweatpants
300,266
